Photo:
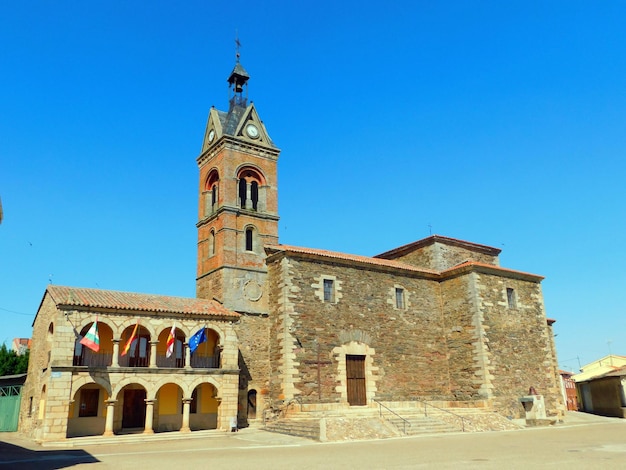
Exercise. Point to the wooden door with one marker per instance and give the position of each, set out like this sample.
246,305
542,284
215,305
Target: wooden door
355,374
134,408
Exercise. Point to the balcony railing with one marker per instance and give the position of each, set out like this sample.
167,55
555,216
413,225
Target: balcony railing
173,362
206,362
131,361
93,359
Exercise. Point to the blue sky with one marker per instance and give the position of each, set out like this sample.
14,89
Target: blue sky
501,123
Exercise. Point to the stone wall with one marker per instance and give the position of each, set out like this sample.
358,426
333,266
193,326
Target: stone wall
440,256
411,358
455,339
519,344
38,369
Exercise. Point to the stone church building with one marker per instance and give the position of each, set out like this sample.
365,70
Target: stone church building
437,320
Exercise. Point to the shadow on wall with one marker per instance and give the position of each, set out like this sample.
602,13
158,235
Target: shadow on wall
14,456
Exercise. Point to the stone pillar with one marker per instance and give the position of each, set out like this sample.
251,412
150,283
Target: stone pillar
186,407
149,416
248,195
187,356
115,360
153,353
108,426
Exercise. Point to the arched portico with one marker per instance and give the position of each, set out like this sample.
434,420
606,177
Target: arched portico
87,411
204,407
168,408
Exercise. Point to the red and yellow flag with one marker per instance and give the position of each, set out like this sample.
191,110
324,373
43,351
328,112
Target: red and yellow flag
131,339
170,341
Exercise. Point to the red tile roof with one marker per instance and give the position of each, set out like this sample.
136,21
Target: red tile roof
408,248
130,301
346,257
459,269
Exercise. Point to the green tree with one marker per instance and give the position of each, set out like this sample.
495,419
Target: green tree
11,363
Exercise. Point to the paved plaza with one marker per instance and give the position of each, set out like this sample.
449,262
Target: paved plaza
583,442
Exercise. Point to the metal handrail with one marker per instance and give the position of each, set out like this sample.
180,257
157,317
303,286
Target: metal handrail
445,411
290,402
380,409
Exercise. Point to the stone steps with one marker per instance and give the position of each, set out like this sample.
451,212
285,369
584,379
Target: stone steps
415,425
308,428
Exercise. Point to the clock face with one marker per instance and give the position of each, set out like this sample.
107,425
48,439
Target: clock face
252,131
211,135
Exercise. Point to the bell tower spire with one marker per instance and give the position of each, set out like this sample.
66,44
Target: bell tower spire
238,203
238,81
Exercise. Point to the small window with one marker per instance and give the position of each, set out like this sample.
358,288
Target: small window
249,239
329,290
400,298
89,402
510,297
212,243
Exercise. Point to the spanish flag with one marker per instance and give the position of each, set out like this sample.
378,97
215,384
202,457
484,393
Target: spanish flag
132,338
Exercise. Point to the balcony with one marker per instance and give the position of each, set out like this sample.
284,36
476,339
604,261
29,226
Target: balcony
92,359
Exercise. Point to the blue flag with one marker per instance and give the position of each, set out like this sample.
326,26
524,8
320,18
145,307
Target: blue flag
197,339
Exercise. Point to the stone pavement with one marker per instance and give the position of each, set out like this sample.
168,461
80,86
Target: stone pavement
247,436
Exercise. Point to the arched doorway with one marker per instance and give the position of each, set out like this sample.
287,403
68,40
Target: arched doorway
133,407
252,404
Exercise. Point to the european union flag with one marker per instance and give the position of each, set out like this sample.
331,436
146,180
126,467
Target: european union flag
197,339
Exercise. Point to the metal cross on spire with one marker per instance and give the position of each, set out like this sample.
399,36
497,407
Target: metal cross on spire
237,45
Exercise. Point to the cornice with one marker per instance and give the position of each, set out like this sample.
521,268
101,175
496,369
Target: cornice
236,211
232,143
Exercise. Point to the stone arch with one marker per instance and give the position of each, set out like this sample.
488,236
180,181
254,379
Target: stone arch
133,321
168,413
150,391
82,381
205,406
199,381
177,358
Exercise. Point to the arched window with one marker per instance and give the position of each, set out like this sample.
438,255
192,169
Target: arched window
249,239
243,193
211,243
254,194
212,195
249,189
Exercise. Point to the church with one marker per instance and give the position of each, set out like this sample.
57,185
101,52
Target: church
434,321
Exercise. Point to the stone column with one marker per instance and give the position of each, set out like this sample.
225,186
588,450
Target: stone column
108,426
186,406
187,356
153,353
115,360
149,416
248,195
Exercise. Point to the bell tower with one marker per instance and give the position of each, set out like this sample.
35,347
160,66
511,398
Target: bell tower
238,203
